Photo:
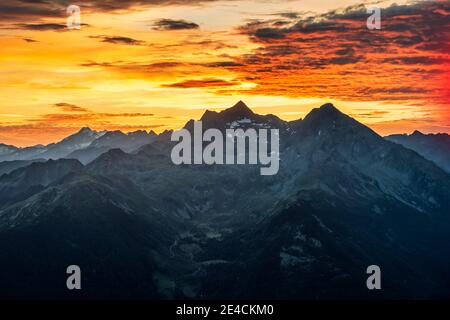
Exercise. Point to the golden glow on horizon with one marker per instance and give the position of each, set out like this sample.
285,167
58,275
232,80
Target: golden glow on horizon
162,79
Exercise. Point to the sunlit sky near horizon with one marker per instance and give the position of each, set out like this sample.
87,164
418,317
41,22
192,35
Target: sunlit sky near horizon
154,65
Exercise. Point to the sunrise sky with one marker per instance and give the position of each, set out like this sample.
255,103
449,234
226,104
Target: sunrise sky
155,64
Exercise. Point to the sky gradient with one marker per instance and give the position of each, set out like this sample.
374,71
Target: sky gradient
155,64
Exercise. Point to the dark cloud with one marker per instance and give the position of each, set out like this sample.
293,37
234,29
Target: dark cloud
280,23
203,83
77,112
70,107
345,60
160,70
422,60
394,90
29,40
169,24
101,64
42,26
161,65
425,21
335,55
166,68
371,114
17,10
315,27
204,44
289,15
119,40
345,51
24,10
269,33
214,44
222,64
115,5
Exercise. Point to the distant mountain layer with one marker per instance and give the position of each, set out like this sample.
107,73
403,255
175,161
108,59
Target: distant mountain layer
85,145
435,147
79,140
141,227
113,140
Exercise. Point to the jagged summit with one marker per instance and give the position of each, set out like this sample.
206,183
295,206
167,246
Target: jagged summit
325,113
417,133
83,132
329,108
218,119
434,147
114,133
240,107
237,116
238,111
86,129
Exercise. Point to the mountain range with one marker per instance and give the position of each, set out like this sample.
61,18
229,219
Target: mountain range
141,227
85,145
435,147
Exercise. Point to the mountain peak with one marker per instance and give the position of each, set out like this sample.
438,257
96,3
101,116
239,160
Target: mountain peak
84,135
328,119
114,133
417,133
85,130
137,133
329,108
238,111
240,108
326,112
240,105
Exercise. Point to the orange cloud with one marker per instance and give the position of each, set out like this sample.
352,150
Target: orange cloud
334,56
281,58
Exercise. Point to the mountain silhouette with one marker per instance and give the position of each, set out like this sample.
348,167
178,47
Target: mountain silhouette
84,145
238,116
141,227
6,149
435,147
78,140
113,140
239,110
